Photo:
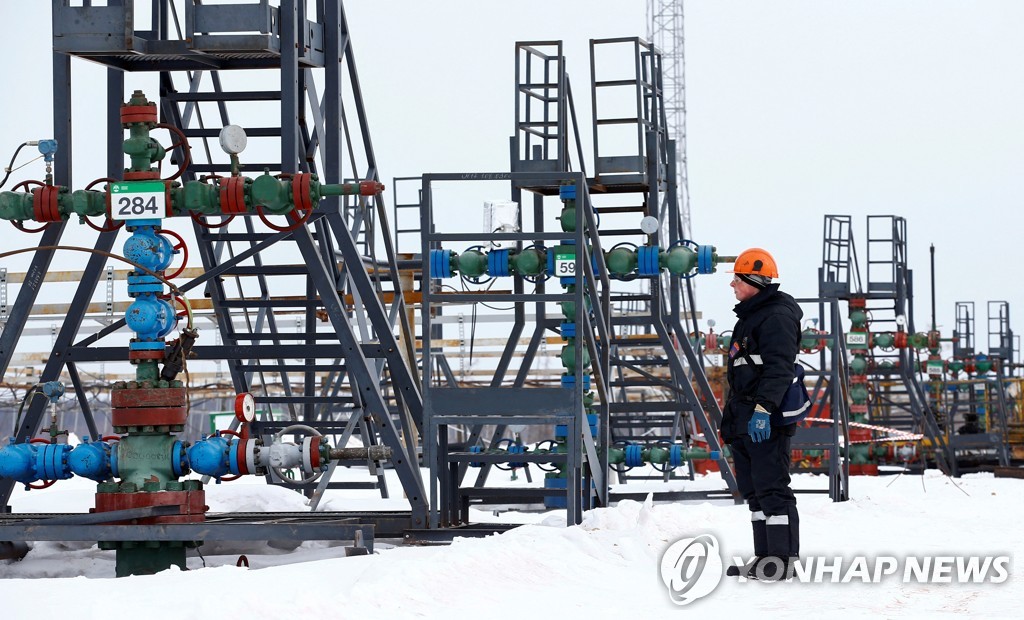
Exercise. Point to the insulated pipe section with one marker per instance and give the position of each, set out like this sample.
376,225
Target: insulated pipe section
372,453
685,259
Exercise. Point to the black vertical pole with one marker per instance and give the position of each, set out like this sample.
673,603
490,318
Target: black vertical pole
931,249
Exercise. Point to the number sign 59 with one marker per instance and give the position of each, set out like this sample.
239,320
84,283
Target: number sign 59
565,265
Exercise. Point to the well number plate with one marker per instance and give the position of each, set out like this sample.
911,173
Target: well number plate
138,200
565,265
856,339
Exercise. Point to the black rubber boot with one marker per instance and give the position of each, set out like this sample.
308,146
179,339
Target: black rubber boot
759,526
743,569
775,564
770,568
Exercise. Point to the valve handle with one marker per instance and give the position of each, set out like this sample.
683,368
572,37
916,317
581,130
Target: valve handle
185,148
109,225
19,225
181,245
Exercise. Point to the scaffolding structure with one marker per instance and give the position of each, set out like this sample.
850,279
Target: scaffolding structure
916,406
632,335
305,312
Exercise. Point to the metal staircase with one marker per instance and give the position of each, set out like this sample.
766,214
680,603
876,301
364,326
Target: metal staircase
300,303
897,399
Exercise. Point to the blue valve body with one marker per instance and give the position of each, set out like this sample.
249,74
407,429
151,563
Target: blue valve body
209,456
92,461
26,462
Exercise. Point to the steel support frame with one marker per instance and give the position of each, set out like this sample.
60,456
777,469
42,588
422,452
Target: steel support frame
328,141
829,386
585,461
890,280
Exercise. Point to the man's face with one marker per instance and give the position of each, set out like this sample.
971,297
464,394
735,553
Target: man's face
742,290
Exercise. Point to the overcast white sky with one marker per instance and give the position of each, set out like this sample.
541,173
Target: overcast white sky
795,109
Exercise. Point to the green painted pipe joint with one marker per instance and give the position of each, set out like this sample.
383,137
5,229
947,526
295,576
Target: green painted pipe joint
141,149
884,340
621,261
569,307
858,319
858,365
814,340
567,218
568,357
471,263
859,454
859,393
679,260
273,194
529,262
918,340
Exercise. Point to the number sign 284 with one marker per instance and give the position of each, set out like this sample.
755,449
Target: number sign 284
133,201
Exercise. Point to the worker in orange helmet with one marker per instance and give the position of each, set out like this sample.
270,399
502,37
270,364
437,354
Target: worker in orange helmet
762,353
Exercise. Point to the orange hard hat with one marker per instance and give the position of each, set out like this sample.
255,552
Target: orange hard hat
755,262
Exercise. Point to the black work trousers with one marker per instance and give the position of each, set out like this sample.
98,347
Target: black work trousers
762,471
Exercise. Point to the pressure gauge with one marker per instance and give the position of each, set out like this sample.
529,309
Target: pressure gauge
901,320
649,224
245,407
233,139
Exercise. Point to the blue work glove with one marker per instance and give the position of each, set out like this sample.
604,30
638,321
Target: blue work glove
760,426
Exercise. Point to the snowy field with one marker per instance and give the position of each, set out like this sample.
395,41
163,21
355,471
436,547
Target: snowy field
607,567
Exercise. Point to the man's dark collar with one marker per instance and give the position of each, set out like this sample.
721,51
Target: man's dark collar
744,308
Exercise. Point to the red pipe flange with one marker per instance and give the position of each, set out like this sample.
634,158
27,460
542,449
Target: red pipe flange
45,207
232,195
138,114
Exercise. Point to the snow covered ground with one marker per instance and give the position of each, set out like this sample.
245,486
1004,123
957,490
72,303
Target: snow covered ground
607,567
